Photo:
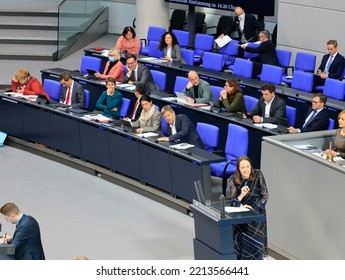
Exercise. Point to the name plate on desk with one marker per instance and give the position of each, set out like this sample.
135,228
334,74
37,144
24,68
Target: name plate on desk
207,210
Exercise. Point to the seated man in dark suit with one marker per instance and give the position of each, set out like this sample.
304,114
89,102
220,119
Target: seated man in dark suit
27,236
316,118
139,91
72,93
138,73
266,50
332,64
180,128
269,106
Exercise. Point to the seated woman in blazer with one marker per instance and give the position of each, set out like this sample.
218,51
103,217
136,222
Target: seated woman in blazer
110,101
150,119
170,47
113,67
231,97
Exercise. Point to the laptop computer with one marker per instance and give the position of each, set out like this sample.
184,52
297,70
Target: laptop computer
283,124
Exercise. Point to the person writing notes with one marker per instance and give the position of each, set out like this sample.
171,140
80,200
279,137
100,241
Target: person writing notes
248,189
26,237
127,42
339,143
180,128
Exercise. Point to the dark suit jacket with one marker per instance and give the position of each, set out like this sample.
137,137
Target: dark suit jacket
278,109
138,111
78,95
27,240
320,121
144,76
185,131
337,66
251,27
267,53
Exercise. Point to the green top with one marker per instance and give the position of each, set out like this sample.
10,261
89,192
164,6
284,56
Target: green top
237,104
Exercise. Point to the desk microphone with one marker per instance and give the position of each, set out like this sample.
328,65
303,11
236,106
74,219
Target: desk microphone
222,206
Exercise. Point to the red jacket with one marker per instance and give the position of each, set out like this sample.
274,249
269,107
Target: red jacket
32,87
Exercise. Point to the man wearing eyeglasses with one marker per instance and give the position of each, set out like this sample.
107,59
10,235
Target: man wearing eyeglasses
316,118
138,73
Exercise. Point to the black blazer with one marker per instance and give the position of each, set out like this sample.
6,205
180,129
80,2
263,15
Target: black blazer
185,131
267,53
336,69
320,121
144,76
138,112
251,27
278,109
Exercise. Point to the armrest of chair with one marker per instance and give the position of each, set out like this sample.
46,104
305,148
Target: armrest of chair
287,68
219,153
210,28
226,166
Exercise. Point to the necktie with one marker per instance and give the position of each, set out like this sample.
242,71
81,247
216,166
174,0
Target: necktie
68,96
133,76
135,109
309,120
328,64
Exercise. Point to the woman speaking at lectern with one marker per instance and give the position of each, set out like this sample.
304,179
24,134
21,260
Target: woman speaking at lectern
248,189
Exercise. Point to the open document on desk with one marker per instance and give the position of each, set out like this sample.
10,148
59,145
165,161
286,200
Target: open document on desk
231,209
266,125
147,134
98,118
21,96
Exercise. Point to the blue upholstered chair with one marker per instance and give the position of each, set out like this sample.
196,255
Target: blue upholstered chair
86,99
330,124
154,51
236,146
52,88
125,107
247,55
271,74
154,33
90,62
216,91
160,78
182,37
250,102
334,89
242,67
284,57
209,135
303,62
188,56
180,83
164,127
291,115
302,81
229,52
203,43
212,61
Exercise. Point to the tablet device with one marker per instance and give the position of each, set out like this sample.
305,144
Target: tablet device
42,99
91,74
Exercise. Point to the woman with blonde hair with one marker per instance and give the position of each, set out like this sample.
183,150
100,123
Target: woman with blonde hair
113,67
23,82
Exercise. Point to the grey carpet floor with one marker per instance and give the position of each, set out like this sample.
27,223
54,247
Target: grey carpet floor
81,214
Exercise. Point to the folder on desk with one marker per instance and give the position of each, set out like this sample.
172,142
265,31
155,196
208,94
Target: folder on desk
3,136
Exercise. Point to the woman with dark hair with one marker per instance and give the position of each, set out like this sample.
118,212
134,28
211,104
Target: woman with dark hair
231,97
110,101
150,119
127,42
248,188
170,47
